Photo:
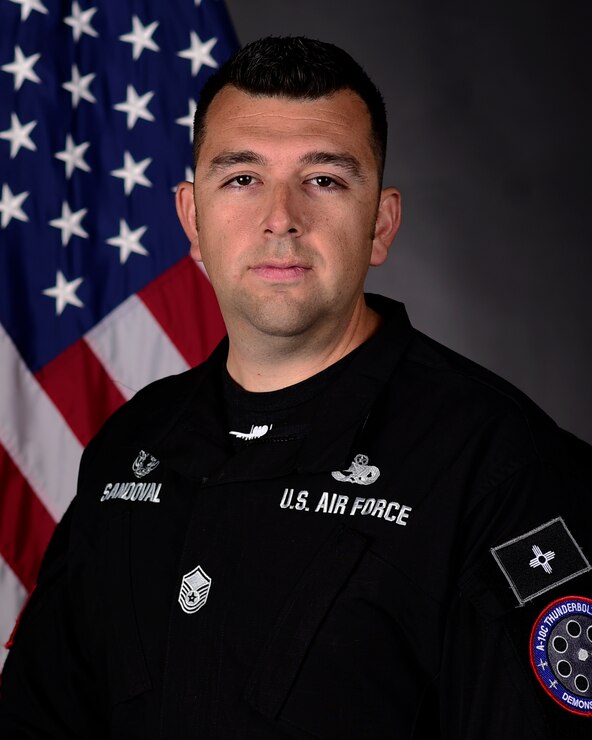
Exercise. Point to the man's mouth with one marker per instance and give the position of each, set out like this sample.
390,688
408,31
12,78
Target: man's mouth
276,272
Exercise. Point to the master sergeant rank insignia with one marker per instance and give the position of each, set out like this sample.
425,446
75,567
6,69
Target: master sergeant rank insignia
194,590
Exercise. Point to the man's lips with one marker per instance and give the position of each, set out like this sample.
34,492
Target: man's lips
280,273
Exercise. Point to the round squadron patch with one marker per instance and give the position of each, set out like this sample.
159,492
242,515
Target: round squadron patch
561,652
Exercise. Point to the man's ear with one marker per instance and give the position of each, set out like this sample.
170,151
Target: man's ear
388,220
185,203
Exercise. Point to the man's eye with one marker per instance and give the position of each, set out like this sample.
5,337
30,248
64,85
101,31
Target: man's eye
241,180
324,181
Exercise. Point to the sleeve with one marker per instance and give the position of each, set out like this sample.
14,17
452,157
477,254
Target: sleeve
517,658
49,686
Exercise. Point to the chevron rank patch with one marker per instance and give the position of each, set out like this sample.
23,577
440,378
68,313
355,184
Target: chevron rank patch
540,560
561,653
194,590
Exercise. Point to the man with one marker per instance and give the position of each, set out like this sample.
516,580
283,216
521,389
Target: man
335,527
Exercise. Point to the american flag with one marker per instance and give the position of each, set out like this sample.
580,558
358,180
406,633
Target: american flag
97,295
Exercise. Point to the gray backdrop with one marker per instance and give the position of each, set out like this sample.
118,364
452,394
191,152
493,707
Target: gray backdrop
489,107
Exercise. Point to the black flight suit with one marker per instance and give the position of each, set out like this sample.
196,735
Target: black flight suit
392,574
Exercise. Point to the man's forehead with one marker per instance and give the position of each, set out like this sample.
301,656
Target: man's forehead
235,105
234,114
230,90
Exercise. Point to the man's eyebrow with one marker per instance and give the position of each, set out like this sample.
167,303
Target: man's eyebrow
231,158
346,161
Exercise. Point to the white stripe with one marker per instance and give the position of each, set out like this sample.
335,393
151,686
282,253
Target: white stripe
13,597
202,267
35,434
133,347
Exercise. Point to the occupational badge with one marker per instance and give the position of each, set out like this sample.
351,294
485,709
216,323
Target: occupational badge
358,472
144,464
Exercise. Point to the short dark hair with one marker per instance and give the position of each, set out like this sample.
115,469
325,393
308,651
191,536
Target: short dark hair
294,67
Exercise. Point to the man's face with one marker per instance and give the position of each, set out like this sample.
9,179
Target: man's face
286,199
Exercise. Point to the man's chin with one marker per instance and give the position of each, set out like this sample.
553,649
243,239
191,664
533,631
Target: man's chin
283,316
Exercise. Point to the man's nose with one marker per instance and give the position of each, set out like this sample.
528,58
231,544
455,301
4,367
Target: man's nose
283,213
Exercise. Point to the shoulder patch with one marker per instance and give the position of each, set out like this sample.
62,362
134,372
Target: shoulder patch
540,560
561,653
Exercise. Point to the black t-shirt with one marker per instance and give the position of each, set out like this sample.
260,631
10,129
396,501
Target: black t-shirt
280,415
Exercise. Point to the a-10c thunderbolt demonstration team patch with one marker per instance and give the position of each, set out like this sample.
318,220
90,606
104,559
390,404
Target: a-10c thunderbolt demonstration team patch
561,652
561,639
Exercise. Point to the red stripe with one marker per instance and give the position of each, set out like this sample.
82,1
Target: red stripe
81,388
183,302
25,524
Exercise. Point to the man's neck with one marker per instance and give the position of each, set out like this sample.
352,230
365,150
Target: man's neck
262,364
